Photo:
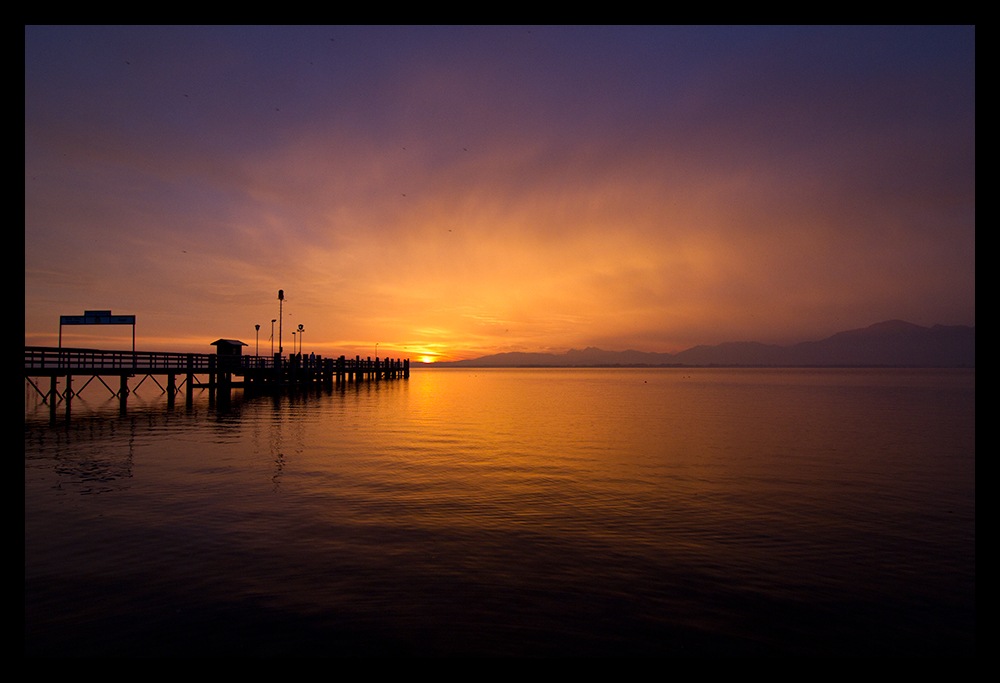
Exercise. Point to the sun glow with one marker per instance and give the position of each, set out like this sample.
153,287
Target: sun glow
487,208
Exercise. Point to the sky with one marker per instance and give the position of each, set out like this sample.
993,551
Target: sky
448,193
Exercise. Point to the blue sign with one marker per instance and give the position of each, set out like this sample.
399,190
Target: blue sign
97,318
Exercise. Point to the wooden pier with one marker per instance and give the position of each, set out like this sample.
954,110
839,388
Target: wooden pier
223,371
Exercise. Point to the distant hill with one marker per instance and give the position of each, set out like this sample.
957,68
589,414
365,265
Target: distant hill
891,343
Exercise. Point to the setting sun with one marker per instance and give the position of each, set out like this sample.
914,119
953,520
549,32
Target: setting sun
457,197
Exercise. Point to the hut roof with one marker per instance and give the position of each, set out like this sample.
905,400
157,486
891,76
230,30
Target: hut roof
228,342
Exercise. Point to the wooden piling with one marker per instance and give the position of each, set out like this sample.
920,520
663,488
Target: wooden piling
123,393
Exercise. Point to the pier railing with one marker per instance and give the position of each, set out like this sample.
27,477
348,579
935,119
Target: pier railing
47,360
84,360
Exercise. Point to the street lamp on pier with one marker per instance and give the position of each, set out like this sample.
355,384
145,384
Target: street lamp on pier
281,301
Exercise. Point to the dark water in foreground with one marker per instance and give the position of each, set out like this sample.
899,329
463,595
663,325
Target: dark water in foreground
511,512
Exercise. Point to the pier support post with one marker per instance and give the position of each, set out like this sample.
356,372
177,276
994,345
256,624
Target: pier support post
68,394
53,396
123,394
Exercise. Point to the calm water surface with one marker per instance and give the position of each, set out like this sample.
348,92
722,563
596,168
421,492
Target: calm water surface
511,512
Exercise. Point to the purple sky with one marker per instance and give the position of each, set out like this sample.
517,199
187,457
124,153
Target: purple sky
453,192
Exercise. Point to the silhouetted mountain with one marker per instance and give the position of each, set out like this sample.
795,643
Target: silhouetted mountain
891,343
894,342
734,353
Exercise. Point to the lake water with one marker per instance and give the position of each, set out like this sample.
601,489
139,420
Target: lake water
527,512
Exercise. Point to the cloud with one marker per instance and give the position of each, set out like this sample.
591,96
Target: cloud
462,190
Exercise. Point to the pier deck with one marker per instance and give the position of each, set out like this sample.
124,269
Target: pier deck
256,371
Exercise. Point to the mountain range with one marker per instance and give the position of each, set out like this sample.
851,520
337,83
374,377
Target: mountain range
891,343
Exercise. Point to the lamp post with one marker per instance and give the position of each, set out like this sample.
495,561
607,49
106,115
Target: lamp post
301,330
273,320
281,300
256,350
